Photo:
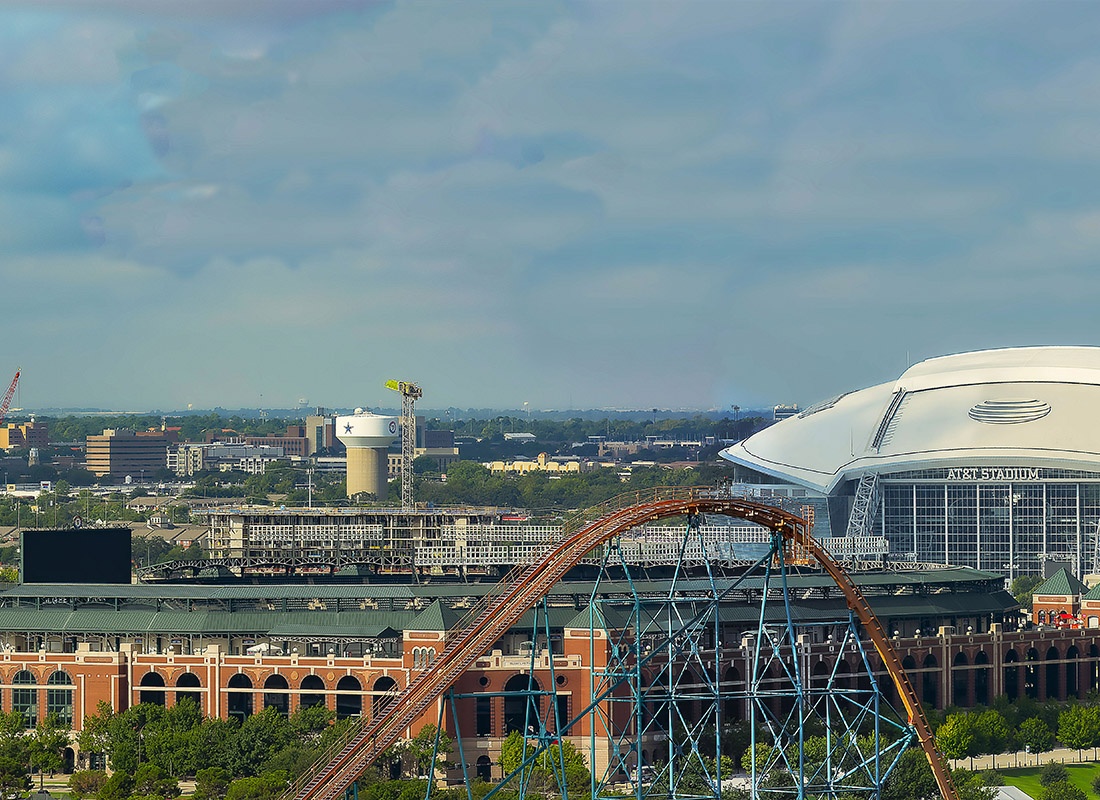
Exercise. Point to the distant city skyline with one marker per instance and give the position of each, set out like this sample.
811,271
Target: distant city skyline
458,413
574,205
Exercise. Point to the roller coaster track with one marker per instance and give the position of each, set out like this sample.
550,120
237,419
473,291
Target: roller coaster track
521,589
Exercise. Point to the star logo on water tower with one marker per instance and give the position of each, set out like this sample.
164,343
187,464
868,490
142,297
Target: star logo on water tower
347,428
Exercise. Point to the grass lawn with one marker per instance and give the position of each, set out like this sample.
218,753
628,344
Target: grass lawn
1080,775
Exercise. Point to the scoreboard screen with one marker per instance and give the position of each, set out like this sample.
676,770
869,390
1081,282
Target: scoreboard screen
75,555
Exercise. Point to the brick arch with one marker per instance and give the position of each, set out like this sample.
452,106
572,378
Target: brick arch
162,670
7,674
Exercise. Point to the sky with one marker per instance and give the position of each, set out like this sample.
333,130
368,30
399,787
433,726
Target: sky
247,203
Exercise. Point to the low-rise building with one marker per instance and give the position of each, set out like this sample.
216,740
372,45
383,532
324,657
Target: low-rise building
543,463
1057,601
26,434
190,458
119,454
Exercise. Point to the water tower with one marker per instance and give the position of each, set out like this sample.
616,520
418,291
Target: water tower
367,437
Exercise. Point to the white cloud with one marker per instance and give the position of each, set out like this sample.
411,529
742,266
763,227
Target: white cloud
630,204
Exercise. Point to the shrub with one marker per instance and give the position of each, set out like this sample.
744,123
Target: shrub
117,787
1053,772
1062,790
86,783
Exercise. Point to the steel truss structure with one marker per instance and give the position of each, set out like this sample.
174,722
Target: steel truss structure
658,700
662,701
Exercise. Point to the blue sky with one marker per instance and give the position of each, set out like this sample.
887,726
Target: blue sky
621,204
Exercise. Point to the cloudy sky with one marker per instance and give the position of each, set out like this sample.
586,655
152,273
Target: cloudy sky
576,205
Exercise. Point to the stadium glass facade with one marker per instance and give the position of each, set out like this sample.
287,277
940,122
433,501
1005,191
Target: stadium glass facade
1002,519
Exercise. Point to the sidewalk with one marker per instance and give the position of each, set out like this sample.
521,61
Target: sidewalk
1022,759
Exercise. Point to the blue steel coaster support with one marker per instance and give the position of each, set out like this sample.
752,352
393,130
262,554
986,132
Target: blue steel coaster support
819,732
450,702
656,663
654,711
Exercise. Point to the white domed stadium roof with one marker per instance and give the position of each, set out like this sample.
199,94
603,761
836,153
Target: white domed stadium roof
1026,406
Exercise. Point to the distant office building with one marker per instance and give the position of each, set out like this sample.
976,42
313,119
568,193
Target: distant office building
433,439
121,453
189,459
27,434
320,430
294,442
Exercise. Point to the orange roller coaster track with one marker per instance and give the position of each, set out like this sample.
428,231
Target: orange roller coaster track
522,588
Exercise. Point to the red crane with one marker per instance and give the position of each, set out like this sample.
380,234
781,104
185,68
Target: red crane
6,402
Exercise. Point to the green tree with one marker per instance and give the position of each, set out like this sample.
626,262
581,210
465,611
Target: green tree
126,732
117,787
956,737
86,783
761,755
47,747
417,752
309,722
212,743
972,785
1035,735
994,733
1053,772
169,741
152,781
262,787
261,736
1022,587
14,775
912,779
513,752
211,783
1062,790
1079,727
542,773
575,770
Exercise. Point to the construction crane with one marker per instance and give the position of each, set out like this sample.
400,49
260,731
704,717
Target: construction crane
5,404
410,393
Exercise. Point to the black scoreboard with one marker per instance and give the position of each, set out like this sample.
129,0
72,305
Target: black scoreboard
75,555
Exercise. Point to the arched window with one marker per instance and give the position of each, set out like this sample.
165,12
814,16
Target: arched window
190,681
313,691
385,688
485,768
276,695
24,697
59,697
154,698
1042,617
981,678
349,701
240,702
522,708
959,675
930,687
